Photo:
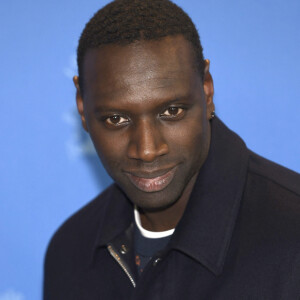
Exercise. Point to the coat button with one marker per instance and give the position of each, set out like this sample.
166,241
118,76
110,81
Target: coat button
123,249
156,261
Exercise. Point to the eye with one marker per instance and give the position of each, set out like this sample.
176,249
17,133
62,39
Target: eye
116,120
173,112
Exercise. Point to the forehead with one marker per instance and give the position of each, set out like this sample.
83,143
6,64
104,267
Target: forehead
115,68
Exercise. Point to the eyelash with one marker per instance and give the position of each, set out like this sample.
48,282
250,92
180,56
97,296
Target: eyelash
179,113
109,122
124,120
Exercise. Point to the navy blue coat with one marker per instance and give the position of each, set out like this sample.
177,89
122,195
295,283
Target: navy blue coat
239,237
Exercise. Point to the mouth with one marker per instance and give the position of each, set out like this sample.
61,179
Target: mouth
150,182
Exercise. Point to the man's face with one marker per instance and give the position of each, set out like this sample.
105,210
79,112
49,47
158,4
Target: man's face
147,111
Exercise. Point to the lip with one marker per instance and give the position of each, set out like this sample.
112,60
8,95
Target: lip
152,182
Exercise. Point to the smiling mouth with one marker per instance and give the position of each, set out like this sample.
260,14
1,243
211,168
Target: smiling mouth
152,184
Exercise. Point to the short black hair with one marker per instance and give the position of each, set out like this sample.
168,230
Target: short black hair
126,21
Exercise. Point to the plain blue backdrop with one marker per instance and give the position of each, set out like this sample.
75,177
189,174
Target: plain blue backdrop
48,166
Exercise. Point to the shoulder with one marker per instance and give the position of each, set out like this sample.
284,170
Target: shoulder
274,186
267,231
276,174
271,205
89,214
82,227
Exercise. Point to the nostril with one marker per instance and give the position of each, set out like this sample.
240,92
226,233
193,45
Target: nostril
164,149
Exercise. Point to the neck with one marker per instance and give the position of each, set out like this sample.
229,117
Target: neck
169,217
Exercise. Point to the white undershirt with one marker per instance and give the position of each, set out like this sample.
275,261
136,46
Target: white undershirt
147,233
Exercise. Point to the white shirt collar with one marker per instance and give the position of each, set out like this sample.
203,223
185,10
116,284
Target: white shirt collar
147,233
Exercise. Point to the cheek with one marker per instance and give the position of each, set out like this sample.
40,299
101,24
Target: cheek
111,147
188,138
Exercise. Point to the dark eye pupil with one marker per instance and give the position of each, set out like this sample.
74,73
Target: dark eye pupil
173,110
115,119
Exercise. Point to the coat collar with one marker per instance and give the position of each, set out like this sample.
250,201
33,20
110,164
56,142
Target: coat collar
205,230
117,216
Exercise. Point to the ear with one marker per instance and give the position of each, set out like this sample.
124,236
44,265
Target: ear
79,102
208,87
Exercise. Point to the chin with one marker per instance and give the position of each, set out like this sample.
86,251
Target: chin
156,201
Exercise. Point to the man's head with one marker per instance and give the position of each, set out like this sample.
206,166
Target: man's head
126,21
147,109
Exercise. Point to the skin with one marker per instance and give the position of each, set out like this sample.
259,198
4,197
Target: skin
147,110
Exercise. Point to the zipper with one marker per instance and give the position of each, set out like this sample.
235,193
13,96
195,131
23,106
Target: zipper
118,259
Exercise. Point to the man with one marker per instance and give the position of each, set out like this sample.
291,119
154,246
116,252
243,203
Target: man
193,213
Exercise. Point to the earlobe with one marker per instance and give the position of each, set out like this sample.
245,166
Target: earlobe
208,87
79,102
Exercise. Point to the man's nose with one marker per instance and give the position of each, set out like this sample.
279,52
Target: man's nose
146,141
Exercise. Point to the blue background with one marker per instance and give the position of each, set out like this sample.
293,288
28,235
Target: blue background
48,166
